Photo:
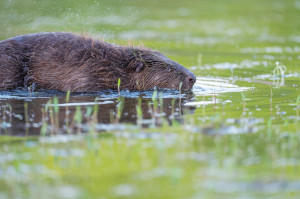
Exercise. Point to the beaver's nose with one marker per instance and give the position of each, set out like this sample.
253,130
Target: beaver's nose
191,78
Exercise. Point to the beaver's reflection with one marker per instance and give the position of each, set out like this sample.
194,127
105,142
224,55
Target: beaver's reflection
167,109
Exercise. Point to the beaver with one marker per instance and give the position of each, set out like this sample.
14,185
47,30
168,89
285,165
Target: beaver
70,62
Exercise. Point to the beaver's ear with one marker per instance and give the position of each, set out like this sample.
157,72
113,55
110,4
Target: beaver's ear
136,65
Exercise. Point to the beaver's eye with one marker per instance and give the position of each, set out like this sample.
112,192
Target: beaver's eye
168,68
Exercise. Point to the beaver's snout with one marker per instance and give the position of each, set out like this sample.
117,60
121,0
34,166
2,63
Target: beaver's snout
189,81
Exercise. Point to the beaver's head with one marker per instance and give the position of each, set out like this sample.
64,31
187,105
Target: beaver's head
150,69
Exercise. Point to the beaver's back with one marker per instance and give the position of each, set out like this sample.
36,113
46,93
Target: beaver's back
44,57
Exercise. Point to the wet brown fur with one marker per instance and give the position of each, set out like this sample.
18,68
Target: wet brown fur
66,61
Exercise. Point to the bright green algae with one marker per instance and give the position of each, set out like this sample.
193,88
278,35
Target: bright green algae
246,145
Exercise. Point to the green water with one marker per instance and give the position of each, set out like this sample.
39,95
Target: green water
241,144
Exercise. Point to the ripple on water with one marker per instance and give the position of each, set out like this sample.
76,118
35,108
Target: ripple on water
209,86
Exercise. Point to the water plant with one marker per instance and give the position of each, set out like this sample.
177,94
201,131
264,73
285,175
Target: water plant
278,72
56,114
119,84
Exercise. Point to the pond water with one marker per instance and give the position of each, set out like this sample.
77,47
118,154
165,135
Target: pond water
235,135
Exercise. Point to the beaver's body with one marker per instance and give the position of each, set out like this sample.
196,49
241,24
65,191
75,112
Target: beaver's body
65,61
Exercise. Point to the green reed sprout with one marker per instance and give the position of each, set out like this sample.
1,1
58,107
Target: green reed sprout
179,87
119,84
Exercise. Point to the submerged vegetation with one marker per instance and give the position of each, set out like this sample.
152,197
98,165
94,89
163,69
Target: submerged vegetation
236,135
